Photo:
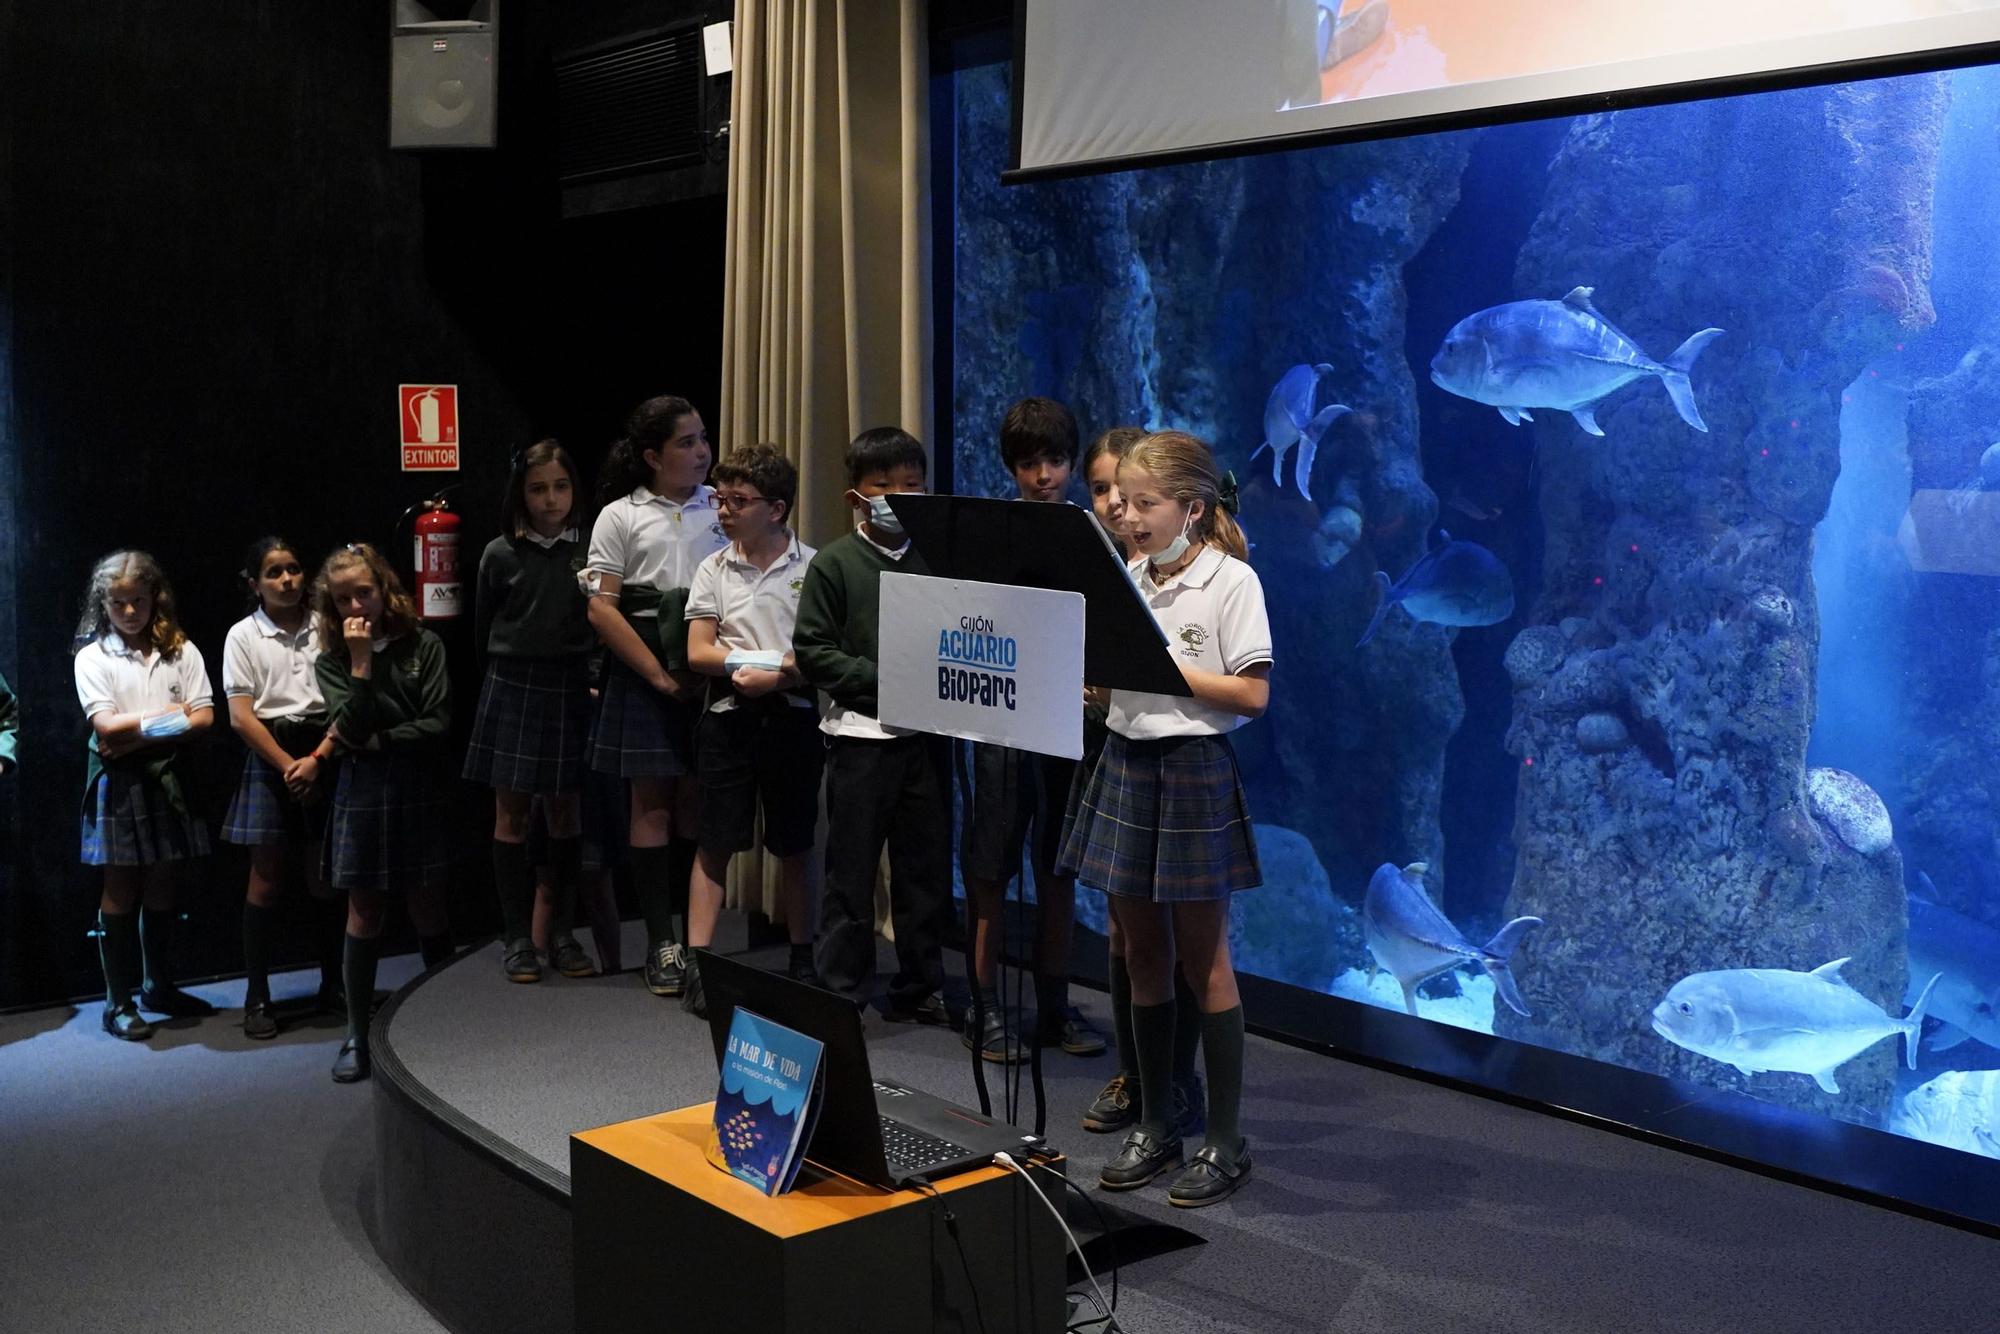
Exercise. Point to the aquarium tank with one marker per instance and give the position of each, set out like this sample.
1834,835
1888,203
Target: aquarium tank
1626,494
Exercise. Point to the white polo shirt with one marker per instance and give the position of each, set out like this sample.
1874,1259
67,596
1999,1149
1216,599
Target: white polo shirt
271,667
645,538
1213,613
751,608
852,722
111,678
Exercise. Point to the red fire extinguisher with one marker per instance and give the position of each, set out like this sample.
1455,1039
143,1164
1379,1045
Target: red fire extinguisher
440,596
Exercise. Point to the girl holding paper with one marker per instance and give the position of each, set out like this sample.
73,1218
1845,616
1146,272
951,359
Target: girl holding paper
758,741
533,727
144,688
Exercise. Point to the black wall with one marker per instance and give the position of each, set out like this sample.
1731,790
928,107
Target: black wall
215,275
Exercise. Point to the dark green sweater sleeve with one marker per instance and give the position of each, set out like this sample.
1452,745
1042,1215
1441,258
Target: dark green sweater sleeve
427,700
10,726
820,642
405,700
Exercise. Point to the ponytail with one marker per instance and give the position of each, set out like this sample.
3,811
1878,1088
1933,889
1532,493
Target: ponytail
649,426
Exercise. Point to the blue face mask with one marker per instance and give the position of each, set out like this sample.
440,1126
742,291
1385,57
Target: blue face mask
165,725
883,519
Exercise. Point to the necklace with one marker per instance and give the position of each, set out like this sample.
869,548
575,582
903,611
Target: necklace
1163,576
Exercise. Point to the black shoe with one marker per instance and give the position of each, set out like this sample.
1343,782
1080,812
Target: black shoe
520,961
174,1003
1074,1034
125,1021
259,1021
930,1010
351,1065
1142,1159
567,957
999,1043
1116,1107
666,969
1212,1177
802,970
692,999
1190,1107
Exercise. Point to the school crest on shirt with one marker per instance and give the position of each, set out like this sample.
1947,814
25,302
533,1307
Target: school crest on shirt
1192,637
798,585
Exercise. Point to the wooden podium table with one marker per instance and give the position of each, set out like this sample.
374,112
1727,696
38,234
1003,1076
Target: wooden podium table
667,1244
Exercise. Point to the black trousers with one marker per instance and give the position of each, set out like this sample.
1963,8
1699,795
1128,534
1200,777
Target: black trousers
889,792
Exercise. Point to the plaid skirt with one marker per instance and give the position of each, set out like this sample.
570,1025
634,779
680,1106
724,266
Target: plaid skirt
265,811
128,821
640,732
386,831
533,725
1163,820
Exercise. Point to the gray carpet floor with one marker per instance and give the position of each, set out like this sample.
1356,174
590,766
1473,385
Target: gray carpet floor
1379,1203
198,1182
205,1183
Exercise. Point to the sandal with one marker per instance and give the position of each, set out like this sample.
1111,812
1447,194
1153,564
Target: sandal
1211,1178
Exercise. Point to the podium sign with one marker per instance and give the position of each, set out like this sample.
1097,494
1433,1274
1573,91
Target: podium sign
988,662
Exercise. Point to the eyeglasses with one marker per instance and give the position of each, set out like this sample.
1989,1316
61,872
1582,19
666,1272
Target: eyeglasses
733,503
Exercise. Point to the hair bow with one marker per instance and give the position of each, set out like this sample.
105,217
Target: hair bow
1225,494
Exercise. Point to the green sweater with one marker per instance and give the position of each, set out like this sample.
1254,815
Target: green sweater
528,603
405,700
837,637
10,726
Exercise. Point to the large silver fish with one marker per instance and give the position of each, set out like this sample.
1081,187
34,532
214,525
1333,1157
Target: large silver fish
1412,941
1760,1019
1457,583
1556,354
1966,956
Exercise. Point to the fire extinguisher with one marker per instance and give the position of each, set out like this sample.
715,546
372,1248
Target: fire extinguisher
440,595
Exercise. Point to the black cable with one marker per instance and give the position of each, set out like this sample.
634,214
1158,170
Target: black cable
1103,1224
976,1016
951,1227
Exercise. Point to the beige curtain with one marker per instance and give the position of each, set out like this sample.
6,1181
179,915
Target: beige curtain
826,307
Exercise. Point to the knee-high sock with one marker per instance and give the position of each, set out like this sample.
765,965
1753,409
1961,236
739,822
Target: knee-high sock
1187,1028
565,870
652,884
156,947
358,975
1121,1016
329,925
514,882
1222,1035
257,953
1153,1036
118,952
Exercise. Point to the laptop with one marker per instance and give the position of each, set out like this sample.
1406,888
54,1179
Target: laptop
872,1128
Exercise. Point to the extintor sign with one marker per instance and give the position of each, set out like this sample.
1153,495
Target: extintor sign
429,413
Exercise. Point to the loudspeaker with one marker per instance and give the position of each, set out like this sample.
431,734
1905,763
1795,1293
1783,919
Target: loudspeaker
443,61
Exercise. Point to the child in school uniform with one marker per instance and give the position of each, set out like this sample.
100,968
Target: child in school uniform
389,698
533,727
144,688
280,807
884,785
758,744
1016,793
1116,1106
656,523
1164,825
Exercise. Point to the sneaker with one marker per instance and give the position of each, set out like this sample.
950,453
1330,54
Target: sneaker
666,969
259,1021
1074,1034
931,1010
1116,1106
567,957
1190,1107
999,1042
520,962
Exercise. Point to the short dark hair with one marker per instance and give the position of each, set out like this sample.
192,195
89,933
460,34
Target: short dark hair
881,448
1034,427
764,467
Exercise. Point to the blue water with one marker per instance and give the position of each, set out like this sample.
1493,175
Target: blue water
1760,713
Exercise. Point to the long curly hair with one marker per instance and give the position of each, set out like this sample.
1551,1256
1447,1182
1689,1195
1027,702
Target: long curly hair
1184,466
94,621
399,613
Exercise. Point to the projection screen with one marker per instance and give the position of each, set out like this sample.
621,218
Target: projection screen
1102,83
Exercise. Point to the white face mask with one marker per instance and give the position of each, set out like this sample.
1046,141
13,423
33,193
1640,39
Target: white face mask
1178,547
883,519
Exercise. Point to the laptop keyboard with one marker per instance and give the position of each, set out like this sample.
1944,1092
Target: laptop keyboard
913,1150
